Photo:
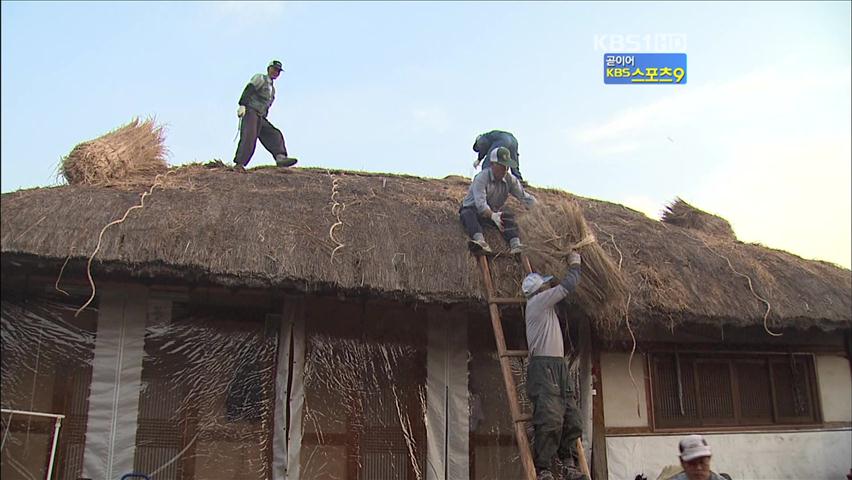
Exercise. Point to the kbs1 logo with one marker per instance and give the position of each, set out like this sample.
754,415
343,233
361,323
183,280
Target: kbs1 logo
645,68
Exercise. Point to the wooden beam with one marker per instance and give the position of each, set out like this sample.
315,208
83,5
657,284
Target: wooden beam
599,463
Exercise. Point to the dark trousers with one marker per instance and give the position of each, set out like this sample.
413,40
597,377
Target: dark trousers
253,127
472,222
556,420
516,171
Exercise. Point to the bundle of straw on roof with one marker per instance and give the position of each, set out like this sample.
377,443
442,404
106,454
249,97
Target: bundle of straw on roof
551,232
130,151
685,215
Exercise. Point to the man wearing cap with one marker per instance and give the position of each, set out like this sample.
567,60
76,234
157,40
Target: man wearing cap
254,106
485,199
487,142
556,420
695,456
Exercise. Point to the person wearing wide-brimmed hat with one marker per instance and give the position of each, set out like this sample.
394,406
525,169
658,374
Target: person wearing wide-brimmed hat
490,141
254,106
485,199
556,420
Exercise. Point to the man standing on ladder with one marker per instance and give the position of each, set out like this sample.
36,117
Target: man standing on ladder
556,420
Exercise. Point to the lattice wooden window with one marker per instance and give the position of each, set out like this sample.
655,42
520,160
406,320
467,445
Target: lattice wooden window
712,390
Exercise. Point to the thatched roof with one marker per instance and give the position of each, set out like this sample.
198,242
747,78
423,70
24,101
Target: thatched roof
396,236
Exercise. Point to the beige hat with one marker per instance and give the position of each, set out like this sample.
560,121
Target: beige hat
533,282
692,447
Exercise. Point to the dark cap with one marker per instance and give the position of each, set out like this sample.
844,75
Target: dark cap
276,64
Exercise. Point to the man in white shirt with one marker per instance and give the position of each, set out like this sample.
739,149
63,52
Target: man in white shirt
556,420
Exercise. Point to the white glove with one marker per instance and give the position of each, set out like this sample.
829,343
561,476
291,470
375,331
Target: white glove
574,258
497,218
241,111
476,163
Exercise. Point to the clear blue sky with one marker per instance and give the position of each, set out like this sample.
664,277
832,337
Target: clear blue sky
760,135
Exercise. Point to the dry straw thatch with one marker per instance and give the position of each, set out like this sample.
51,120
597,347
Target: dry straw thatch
551,232
130,151
401,237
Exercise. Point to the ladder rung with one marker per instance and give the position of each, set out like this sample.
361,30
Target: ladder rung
507,300
505,367
515,353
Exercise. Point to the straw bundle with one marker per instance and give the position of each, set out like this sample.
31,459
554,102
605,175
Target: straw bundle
685,215
551,232
132,150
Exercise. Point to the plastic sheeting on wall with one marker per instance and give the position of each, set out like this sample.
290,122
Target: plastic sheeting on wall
204,387
179,390
206,403
46,367
365,399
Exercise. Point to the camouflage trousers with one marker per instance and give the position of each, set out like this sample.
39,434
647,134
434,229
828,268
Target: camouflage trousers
556,419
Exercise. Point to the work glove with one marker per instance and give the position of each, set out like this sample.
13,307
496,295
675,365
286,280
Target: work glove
476,163
497,218
574,258
241,111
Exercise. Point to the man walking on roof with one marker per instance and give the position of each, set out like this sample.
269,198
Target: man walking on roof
556,420
485,199
487,142
254,104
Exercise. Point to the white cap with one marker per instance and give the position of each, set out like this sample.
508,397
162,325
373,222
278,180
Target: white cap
692,447
533,282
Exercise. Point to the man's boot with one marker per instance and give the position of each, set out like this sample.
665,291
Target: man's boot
515,246
478,243
545,475
570,472
284,161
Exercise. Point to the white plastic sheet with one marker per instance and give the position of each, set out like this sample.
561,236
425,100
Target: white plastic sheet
365,397
197,386
447,414
116,381
46,367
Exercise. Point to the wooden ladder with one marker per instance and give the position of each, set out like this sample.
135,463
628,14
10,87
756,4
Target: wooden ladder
519,419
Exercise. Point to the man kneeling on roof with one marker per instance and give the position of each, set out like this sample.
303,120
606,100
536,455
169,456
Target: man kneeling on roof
556,419
485,199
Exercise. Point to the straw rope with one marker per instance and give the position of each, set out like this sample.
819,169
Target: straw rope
103,230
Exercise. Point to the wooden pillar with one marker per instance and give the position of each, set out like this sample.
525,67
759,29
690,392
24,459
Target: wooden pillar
599,463
585,376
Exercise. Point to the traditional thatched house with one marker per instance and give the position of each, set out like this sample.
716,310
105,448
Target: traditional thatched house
331,325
